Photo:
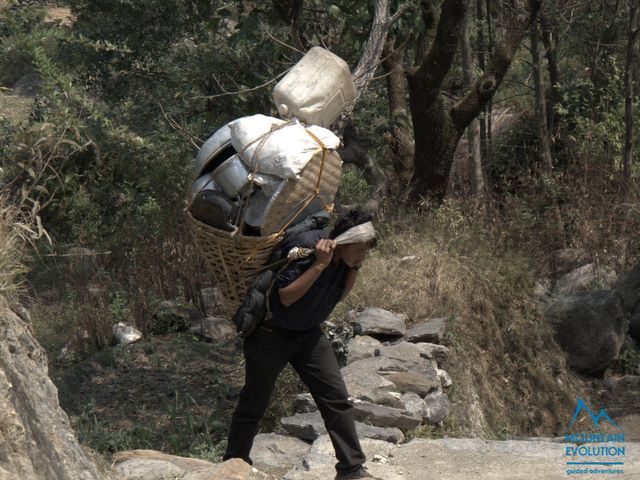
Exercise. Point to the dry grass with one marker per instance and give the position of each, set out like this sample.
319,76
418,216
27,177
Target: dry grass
10,254
510,377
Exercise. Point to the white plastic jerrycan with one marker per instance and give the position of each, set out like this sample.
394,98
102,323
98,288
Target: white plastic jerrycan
316,89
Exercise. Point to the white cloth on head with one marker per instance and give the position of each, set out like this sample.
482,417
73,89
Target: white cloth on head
360,233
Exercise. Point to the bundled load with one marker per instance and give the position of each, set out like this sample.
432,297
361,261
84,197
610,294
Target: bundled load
257,176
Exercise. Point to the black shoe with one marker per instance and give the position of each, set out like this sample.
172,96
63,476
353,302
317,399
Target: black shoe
360,474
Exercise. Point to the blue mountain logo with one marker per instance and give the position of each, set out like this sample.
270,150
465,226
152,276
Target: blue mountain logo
596,418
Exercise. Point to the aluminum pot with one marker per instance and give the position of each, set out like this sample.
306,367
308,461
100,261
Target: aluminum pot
215,150
203,183
232,176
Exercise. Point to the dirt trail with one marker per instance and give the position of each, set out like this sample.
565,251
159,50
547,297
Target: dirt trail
478,459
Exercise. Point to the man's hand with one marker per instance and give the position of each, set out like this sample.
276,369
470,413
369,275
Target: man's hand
324,252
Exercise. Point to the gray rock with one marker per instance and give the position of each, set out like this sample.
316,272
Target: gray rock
413,403
364,381
383,365
444,377
306,426
387,434
322,452
590,327
171,316
150,469
634,324
542,290
232,469
383,416
304,403
125,334
414,382
361,346
214,328
436,407
137,462
439,352
432,331
583,278
309,426
628,285
403,351
275,453
567,259
37,441
378,322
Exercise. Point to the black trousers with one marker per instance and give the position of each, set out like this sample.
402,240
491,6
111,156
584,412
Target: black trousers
266,354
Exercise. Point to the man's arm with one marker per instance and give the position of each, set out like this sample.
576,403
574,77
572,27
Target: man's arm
296,289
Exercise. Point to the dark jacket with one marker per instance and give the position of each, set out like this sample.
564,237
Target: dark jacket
253,308
318,302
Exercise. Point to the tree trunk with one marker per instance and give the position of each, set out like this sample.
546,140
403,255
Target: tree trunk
470,170
541,107
400,135
438,126
628,94
544,148
482,120
550,41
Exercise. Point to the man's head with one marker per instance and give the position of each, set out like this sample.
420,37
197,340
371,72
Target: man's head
352,254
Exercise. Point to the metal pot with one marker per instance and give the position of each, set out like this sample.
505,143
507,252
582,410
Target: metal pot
214,151
232,176
203,183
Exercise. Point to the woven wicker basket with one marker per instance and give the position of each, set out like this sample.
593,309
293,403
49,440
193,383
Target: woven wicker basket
235,259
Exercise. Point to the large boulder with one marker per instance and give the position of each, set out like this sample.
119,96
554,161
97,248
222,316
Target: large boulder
155,465
584,278
590,327
36,440
214,328
634,324
628,285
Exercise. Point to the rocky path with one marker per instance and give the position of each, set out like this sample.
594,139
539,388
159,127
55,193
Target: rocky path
419,459
466,459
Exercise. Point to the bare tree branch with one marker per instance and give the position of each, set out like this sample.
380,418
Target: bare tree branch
372,51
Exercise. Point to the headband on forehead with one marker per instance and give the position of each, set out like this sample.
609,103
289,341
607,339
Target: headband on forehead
360,233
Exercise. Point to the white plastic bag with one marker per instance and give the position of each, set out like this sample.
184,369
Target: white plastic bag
274,146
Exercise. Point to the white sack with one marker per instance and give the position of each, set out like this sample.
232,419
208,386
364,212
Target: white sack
276,147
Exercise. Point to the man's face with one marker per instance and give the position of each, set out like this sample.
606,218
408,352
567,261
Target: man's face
353,254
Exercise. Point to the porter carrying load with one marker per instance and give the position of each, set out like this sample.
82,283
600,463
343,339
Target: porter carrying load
258,176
